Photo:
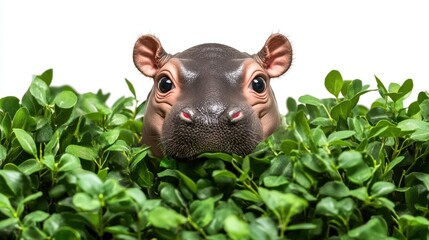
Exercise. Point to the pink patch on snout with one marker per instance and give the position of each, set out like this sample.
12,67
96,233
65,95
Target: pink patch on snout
236,116
186,116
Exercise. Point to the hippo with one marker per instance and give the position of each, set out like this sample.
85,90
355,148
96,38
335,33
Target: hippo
210,97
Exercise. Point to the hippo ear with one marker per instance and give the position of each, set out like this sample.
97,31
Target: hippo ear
276,55
148,55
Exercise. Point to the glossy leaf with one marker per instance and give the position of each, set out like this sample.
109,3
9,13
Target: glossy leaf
40,91
236,228
334,82
26,141
131,88
382,188
165,218
3,153
81,152
334,189
65,99
419,129
202,211
68,162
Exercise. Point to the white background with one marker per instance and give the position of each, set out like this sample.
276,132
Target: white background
89,43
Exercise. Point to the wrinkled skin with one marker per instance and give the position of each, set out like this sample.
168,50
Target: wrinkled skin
211,97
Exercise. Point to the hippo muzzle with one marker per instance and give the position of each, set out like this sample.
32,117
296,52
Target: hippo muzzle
211,97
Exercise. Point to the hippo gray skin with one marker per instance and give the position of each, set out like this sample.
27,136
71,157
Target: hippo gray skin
211,97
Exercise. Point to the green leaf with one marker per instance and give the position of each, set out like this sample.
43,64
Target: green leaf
310,100
384,128
340,135
131,88
10,105
118,120
26,141
319,137
334,82
423,108
381,88
47,76
110,136
377,114
360,193
382,188
419,128
275,181
393,163
328,206
5,206
12,182
374,229
40,91
139,170
30,166
356,169
21,118
89,182
291,104
359,174
3,153
189,183
285,205
49,161
86,202
44,134
202,211
246,195
65,99
81,152
68,162
302,128
219,155
6,127
406,88
27,199
334,189
171,195
349,159
236,228
8,222
67,233
35,217
137,195
165,218
341,110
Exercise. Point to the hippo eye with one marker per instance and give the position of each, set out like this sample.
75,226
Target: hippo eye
258,84
165,84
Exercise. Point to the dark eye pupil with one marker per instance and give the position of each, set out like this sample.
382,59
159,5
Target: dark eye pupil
258,85
165,84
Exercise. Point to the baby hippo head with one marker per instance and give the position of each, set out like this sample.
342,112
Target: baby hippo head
211,97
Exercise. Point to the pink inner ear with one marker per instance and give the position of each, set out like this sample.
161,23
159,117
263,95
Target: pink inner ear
146,51
147,68
278,55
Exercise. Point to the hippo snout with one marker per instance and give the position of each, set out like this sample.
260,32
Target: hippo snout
189,132
210,97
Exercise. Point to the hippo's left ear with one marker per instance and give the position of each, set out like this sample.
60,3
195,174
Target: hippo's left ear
149,55
276,55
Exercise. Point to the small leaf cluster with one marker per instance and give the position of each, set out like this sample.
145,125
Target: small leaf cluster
71,167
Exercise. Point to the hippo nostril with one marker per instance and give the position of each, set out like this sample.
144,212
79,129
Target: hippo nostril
186,115
235,115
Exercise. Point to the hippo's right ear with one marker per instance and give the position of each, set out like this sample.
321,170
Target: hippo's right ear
149,55
276,55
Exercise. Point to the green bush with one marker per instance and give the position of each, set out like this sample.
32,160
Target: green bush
72,168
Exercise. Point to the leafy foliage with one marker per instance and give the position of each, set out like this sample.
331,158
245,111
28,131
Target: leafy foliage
72,168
